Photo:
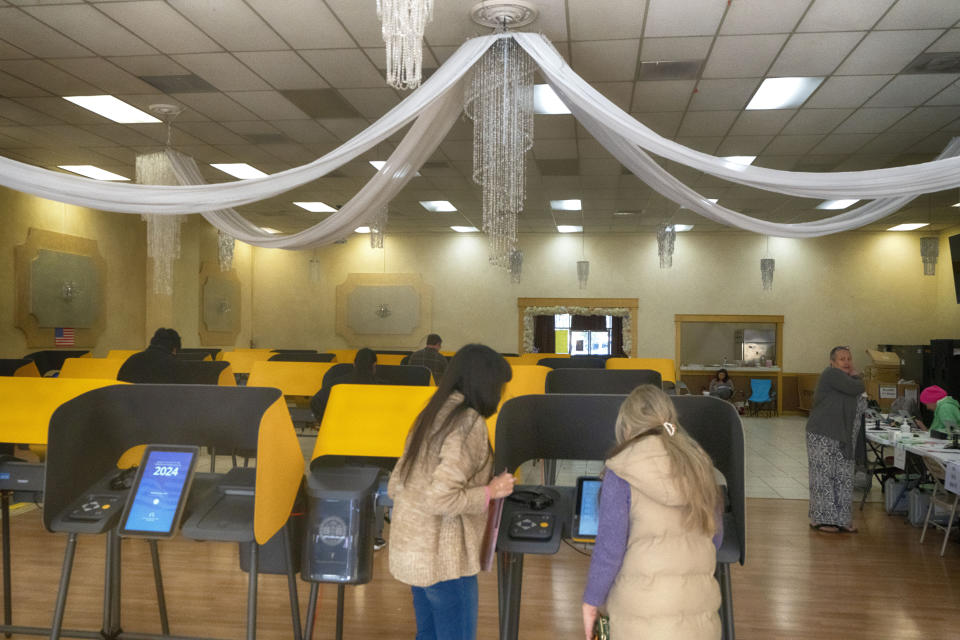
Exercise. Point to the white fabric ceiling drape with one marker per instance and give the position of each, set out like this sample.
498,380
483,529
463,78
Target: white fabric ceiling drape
435,106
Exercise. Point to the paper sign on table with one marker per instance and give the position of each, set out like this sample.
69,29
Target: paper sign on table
899,456
952,481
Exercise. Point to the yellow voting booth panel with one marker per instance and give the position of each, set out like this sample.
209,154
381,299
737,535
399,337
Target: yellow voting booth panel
369,420
28,370
226,379
279,471
390,358
530,359
100,368
292,378
123,354
342,355
663,366
526,380
26,405
241,360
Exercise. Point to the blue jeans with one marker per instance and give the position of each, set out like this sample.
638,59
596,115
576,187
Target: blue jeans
447,610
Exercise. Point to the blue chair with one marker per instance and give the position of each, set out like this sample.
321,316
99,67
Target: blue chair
762,397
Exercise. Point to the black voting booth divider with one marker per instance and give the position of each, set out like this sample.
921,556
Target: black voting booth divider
301,356
581,427
574,362
51,359
613,381
88,435
10,366
400,374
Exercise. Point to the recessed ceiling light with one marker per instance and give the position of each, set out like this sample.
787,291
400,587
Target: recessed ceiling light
741,159
783,93
442,206
546,101
239,170
682,227
112,109
315,207
362,229
569,228
459,229
834,205
624,213
908,226
270,230
565,205
91,171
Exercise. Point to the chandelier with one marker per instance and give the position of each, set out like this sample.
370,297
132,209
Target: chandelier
378,226
929,252
666,239
403,22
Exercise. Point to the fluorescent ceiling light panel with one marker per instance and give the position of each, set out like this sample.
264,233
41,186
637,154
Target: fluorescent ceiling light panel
460,229
545,101
569,228
713,200
565,205
783,93
955,205
378,164
315,207
442,206
741,159
908,226
112,109
270,230
239,170
682,227
91,171
836,205
362,230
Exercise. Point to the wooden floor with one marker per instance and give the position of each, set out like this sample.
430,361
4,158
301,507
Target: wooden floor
797,583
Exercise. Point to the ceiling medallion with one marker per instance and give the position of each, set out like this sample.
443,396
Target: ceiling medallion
503,13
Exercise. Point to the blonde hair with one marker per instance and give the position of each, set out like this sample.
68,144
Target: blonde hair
643,414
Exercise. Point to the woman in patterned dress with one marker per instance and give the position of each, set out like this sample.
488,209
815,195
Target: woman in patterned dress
832,431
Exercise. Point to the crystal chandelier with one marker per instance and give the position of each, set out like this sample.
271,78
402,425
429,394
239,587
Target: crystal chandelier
516,265
378,226
666,239
766,272
225,244
163,231
500,103
403,22
929,251
583,272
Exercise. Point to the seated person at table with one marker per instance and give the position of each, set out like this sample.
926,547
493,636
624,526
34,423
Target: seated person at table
364,372
157,363
721,386
944,407
430,357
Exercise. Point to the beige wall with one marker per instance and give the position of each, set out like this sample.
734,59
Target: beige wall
859,289
948,311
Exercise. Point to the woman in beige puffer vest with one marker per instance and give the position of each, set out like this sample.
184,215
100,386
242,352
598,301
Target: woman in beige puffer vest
655,556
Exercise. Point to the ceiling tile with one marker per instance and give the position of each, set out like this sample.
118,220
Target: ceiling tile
707,123
306,131
10,52
348,68
119,134
703,144
683,18
268,105
889,143
379,57
669,95
948,42
551,126
215,106
949,96
590,19
742,56
210,132
619,93
927,119
762,122
911,90
814,54
871,120
16,112
231,23
793,145
605,60
722,94
371,103
756,16
149,65
555,149
693,48
103,74
842,144
846,91
361,21
921,14
344,128
743,145
48,77
160,25
816,121
92,29
590,148
664,124
11,87
34,37
304,24
886,52
847,15
62,110
223,71
283,69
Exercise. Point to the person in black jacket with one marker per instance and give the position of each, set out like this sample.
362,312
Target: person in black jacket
157,363
364,372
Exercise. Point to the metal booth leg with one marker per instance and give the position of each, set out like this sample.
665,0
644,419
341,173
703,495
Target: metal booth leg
726,601
111,586
252,592
158,581
60,607
509,583
340,592
7,580
292,583
549,472
312,609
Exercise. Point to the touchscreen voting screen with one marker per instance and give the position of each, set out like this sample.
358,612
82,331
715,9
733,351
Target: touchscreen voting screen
588,508
159,491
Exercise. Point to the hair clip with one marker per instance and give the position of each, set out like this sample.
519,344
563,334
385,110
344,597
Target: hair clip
669,428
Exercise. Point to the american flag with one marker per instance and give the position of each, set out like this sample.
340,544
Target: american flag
63,337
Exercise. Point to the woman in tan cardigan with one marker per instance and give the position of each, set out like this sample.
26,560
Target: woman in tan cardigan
656,548
440,490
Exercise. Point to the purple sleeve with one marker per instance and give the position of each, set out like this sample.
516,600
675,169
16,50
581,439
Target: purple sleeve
611,542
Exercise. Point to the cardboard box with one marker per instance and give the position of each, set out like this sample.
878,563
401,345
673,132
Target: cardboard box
884,366
886,392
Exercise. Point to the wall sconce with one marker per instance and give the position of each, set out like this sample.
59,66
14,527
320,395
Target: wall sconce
929,252
223,307
383,310
70,291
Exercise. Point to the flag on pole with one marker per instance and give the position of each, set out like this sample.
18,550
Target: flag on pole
64,337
